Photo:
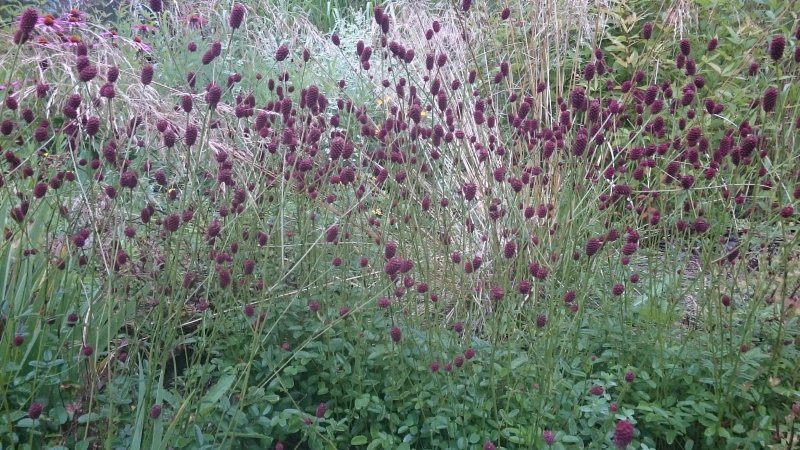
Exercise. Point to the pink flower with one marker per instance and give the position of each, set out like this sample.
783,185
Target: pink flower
144,28
137,43
549,437
49,23
195,21
74,18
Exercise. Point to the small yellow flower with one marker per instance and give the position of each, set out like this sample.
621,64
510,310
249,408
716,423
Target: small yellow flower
387,99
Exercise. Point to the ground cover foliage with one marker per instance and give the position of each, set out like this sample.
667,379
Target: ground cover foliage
406,225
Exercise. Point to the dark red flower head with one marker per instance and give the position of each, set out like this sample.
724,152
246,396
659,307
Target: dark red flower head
39,190
213,95
510,249
92,125
281,53
331,233
36,408
776,47
190,135
647,30
212,52
27,22
469,190
87,74
686,47
146,76
186,103
623,434
496,293
541,320
172,222
237,16
589,71
592,246
155,412
770,99
112,74
578,98
169,138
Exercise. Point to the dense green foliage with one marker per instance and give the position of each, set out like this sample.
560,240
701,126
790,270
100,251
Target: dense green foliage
271,226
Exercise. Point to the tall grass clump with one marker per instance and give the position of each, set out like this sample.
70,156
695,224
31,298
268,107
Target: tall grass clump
455,225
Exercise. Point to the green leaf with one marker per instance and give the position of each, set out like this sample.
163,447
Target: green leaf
212,397
59,414
88,417
359,440
518,361
26,423
362,401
